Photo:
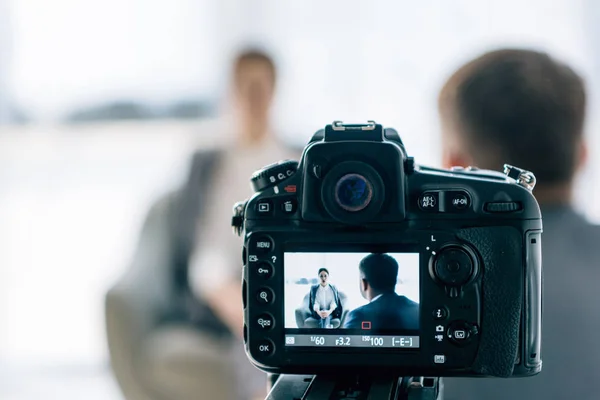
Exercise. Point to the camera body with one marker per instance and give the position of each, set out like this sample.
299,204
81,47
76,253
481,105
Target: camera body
357,260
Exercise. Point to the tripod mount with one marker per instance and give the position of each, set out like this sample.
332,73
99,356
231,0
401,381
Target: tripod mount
323,387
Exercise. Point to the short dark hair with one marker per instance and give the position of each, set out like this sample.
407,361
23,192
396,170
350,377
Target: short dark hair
380,270
321,270
519,107
254,55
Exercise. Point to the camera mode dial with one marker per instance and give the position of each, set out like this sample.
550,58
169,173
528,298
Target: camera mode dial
272,174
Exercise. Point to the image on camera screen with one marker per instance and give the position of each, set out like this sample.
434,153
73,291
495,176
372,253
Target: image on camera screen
351,294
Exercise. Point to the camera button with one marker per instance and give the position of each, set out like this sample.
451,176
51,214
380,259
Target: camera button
461,332
265,296
439,359
265,322
457,201
440,313
262,245
429,201
264,207
263,270
265,347
289,206
453,266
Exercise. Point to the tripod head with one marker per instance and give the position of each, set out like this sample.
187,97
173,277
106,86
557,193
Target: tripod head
322,387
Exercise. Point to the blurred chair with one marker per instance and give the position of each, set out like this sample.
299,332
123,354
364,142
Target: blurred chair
302,312
164,344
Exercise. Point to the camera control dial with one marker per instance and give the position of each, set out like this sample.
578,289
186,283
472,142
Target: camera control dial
272,174
454,266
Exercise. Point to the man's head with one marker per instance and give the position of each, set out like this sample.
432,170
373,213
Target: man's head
378,274
323,276
518,107
254,77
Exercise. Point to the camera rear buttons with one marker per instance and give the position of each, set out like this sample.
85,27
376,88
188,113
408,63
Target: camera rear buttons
265,296
263,270
461,332
265,322
289,206
453,266
446,201
264,207
262,245
265,347
429,201
440,313
457,200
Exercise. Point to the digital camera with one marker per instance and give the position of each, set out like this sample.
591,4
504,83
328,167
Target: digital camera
358,260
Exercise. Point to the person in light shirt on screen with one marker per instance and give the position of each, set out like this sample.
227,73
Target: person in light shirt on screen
386,309
324,304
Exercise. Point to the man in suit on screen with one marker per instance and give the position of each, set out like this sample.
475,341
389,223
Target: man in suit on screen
386,309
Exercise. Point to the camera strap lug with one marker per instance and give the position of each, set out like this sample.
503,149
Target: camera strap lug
237,221
523,177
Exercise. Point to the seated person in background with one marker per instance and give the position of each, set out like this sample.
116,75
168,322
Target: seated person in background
527,109
216,263
324,304
386,309
184,339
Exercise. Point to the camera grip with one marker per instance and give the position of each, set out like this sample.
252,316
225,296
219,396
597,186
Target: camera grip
501,252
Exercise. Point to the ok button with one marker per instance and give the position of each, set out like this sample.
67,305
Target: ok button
265,347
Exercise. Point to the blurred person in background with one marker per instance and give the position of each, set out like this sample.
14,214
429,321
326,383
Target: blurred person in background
215,273
175,320
527,109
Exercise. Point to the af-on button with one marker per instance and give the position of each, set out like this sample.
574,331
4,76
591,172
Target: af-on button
457,201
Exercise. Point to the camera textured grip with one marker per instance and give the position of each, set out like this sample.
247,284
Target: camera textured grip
501,251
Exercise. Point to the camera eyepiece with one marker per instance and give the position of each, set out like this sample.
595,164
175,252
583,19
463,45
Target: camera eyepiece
353,192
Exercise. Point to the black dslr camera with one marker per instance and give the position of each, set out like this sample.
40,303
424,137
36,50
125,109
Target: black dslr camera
357,260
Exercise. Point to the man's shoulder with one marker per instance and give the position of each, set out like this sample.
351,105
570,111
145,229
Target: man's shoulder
570,235
397,301
360,310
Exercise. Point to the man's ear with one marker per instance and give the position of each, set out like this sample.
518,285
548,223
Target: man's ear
364,285
582,156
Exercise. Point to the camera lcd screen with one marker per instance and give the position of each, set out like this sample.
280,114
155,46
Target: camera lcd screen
351,299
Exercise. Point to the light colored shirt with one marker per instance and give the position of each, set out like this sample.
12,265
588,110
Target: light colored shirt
324,299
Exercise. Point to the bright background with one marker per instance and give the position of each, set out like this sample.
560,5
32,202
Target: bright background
102,101
343,274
